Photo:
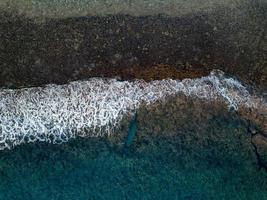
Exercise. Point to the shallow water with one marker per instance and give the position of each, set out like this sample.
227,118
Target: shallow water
84,172
185,165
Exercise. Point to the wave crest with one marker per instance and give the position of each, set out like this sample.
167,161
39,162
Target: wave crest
56,113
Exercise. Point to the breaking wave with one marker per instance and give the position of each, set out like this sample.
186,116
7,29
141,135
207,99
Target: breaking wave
56,113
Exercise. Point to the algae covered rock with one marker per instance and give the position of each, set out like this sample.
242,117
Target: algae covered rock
260,145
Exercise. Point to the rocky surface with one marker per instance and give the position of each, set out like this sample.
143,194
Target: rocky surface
39,50
258,138
67,8
259,143
149,73
195,124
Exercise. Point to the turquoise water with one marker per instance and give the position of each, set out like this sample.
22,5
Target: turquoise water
155,167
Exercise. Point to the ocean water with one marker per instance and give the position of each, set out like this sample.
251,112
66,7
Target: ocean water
159,168
189,143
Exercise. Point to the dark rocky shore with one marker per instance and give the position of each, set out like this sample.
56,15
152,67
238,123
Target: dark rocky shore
58,50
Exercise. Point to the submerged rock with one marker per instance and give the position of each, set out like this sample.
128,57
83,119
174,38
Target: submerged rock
260,145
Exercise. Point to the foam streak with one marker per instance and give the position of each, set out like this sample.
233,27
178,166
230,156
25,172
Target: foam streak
56,113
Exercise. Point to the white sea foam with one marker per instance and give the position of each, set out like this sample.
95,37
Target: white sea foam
56,113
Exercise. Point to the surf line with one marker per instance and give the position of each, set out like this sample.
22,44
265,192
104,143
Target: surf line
57,113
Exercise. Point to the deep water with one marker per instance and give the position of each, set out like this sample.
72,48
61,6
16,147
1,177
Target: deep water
155,168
